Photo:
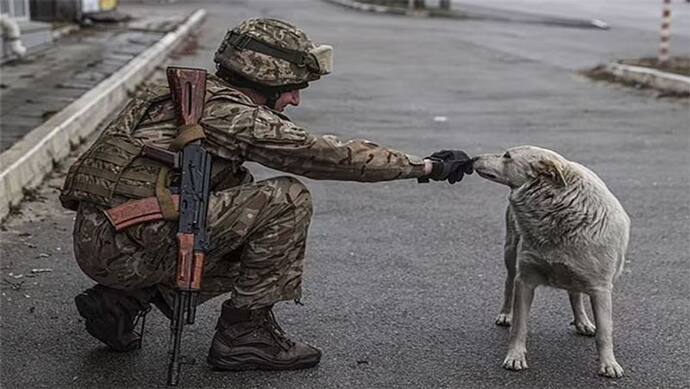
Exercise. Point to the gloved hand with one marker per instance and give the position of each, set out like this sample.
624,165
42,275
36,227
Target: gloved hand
450,165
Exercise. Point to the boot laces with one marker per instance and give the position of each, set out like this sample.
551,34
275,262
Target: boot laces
276,331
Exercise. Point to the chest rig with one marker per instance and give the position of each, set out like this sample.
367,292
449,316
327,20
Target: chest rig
115,166
119,167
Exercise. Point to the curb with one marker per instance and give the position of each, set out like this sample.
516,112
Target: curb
28,161
516,17
657,79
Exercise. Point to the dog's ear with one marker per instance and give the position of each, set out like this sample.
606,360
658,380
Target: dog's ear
551,169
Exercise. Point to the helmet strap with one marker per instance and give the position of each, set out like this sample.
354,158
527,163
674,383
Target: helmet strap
271,101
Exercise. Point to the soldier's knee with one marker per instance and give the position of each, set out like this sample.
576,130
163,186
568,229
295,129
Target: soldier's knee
295,192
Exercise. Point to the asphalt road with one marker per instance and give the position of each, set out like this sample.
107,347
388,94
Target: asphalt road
403,281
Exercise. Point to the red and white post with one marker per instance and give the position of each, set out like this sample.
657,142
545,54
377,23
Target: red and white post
665,44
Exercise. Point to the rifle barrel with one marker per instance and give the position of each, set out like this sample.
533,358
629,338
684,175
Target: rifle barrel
191,307
176,326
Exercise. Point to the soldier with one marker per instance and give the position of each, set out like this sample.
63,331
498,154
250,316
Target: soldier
257,230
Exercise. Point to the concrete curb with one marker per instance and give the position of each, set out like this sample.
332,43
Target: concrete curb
657,79
27,162
484,14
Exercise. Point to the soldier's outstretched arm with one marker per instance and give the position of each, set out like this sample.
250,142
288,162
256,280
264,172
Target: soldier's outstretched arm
260,135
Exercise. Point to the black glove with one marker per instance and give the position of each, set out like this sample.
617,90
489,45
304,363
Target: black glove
449,165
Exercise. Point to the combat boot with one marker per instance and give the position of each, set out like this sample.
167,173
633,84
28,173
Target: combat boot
112,315
253,340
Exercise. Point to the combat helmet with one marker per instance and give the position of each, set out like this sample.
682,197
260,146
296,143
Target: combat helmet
271,56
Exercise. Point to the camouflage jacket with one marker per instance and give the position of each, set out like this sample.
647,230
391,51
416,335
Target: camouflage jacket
237,130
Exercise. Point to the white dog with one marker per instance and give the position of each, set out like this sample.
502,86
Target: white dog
564,229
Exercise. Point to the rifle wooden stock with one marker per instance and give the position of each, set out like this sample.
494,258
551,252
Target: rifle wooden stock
188,89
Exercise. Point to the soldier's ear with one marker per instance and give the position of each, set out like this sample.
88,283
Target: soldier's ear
551,169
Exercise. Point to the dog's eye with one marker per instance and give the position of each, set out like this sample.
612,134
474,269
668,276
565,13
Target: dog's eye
506,155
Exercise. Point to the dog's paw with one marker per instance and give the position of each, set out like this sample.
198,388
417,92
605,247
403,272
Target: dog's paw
584,328
504,319
515,361
610,369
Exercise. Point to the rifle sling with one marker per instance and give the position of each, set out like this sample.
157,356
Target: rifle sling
164,196
187,134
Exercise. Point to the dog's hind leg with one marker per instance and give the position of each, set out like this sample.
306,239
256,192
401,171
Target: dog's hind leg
583,326
516,359
509,257
602,307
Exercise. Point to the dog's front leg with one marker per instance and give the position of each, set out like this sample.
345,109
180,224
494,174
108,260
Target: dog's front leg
582,324
509,257
517,348
602,307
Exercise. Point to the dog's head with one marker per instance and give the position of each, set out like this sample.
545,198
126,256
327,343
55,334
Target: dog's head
522,164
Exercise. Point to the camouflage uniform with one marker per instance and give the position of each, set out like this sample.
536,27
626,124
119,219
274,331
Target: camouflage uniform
257,229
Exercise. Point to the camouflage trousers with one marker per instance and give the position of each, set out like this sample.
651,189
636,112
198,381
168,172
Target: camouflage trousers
257,231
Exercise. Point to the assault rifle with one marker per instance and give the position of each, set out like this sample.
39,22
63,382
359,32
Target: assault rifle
188,88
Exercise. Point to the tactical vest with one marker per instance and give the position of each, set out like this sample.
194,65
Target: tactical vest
114,165
114,169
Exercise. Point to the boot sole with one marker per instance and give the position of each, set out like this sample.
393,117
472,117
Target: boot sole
244,362
94,322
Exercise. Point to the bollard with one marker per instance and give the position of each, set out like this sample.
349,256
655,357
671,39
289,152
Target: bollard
665,44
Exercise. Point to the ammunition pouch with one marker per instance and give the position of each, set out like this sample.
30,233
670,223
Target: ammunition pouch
113,167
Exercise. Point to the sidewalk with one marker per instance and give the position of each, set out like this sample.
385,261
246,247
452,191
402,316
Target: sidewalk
54,98
44,83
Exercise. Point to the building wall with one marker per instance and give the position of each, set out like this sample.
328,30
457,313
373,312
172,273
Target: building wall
17,9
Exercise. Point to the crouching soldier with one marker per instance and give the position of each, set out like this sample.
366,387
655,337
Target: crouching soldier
257,230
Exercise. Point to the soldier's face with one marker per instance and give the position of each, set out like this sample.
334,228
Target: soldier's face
287,98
